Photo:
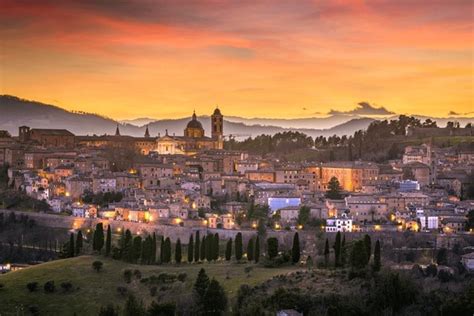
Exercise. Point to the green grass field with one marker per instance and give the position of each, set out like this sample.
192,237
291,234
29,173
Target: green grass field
94,289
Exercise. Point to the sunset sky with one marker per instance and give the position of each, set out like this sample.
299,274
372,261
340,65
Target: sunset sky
162,59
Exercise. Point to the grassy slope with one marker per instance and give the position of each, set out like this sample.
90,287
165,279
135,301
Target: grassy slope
97,289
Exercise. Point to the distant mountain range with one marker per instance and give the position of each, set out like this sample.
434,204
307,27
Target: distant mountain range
15,112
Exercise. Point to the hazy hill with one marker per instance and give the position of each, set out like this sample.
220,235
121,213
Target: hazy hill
15,112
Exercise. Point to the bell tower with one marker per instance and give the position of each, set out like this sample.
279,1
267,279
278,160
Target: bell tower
217,128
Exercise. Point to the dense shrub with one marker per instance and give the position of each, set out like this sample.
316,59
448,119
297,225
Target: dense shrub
127,275
137,274
182,276
122,290
444,275
32,286
66,286
97,265
49,287
431,270
34,310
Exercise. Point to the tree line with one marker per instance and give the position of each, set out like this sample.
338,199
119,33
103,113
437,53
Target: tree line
135,249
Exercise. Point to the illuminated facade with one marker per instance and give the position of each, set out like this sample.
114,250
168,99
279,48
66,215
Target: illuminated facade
194,139
352,176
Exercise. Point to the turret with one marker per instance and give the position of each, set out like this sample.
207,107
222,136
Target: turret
117,131
217,124
147,133
217,128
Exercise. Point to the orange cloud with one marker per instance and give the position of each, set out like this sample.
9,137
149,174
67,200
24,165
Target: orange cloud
254,58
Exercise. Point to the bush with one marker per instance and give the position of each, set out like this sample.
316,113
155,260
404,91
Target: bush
122,290
167,278
97,265
34,310
153,290
182,277
49,287
109,310
417,271
137,274
127,275
32,286
66,286
444,275
431,270
163,309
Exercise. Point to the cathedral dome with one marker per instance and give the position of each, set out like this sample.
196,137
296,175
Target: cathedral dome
194,123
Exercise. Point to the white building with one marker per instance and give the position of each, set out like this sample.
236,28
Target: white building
339,224
430,222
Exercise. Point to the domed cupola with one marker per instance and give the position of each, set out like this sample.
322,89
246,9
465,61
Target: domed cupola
194,128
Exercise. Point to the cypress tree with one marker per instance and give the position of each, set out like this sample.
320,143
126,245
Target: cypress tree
197,247
326,252
257,249
209,247
349,151
153,249
228,250
177,252
238,246
71,250
136,248
121,244
108,241
127,253
162,249
337,250
149,250
295,251
358,257
98,239
203,248
214,301
200,286
377,254
191,248
216,246
343,251
144,250
272,247
79,240
250,250
368,246
167,250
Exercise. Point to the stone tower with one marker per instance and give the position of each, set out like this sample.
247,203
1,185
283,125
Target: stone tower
217,128
217,124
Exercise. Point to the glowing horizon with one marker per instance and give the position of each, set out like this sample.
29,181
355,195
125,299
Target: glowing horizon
275,59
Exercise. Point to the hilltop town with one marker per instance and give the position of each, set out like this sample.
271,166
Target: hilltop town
191,180
413,194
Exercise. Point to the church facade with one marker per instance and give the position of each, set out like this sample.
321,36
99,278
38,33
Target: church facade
191,142
194,138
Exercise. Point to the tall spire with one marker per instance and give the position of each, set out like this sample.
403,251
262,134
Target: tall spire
194,115
147,133
117,131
